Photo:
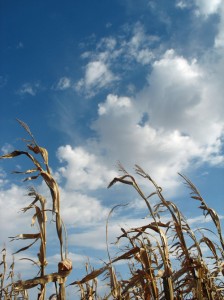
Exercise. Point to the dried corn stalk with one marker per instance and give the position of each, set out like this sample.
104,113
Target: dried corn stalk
41,169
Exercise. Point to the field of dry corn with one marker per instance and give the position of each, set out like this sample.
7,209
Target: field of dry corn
166,260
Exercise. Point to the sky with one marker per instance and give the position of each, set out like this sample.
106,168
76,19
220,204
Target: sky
101,82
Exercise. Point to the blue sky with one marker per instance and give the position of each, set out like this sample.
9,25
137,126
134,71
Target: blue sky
105,81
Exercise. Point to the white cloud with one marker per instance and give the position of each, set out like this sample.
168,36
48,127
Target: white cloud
80,209
108,43
145,56
101,70
114,103
97,73
77,210
11,201
63,83
138,47
179,98
207,7
97,76
77,259
174,88
83,170
181,101
95,237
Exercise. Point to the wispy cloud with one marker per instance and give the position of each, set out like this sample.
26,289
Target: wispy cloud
29,89
6,148
97,76
113,56
63,84
182,4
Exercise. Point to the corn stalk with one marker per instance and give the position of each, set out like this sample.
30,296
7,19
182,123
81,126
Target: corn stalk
42,169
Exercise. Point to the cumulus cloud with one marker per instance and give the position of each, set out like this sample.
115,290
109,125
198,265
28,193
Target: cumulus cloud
113,102
83,171
79,209
174,88
174,119
179,105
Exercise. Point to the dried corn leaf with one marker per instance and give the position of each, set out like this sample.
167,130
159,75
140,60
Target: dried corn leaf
122,180
29,259
59,232
39,218
211,246
52,184
39,150
27,247
25,236
196,195
31,178
92,275
30,283
132,282
12,154
127,255
44,154
25,172
114,284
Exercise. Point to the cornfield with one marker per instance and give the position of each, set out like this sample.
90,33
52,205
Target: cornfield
166,259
